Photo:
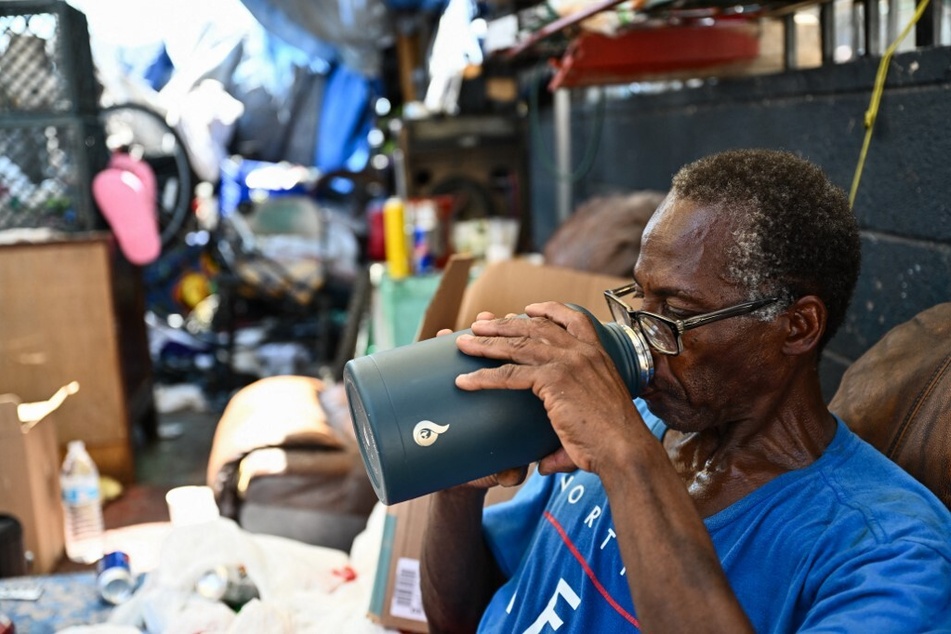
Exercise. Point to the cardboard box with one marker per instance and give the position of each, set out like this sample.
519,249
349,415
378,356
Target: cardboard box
502,288
71,313
29,474
396,599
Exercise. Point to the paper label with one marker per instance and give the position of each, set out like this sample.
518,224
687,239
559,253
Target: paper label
407,601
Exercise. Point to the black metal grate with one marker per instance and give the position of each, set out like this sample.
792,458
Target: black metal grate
46,168
45,59
51,137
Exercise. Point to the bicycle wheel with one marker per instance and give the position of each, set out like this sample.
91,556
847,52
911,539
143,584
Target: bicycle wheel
141,130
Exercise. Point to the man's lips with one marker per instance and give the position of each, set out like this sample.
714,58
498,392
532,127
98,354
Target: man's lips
649,393
656,392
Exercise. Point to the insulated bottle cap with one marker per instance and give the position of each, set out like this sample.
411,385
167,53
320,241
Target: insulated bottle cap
628,350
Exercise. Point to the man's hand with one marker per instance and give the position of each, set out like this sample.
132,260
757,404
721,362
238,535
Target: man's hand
508,477
556,353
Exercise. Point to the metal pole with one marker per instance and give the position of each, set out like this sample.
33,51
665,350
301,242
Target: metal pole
892,20
562,107
827,31
873,28
928,29
790,42
939,21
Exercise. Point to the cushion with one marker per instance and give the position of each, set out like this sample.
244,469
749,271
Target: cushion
897,396
288,441
604,234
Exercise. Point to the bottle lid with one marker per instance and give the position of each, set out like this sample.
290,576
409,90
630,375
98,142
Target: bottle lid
426,219
76,445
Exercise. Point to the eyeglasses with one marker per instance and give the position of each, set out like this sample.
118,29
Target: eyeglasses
663,333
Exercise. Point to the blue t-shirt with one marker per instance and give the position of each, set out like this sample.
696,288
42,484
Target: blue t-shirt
850,543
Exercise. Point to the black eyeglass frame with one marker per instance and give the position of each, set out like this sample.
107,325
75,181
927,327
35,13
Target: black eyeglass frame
678,326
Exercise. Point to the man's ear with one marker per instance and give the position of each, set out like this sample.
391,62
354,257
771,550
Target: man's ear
806,325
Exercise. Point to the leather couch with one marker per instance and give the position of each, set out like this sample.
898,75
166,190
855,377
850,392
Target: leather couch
897,396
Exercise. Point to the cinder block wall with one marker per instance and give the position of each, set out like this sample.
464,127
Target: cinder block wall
904,201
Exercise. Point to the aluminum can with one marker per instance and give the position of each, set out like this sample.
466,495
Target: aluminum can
229,584
114,580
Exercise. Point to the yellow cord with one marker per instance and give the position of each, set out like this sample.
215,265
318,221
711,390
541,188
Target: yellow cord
872,111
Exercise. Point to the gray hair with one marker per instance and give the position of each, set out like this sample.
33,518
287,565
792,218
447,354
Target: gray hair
794,234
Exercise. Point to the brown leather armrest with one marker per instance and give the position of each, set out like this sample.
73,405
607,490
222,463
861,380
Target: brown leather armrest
897,396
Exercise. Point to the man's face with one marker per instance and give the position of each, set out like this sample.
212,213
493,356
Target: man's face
727,368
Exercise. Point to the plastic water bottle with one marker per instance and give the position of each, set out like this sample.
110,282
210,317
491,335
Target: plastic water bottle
82,505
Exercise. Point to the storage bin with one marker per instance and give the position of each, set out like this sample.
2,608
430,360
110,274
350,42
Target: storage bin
46,170
45,59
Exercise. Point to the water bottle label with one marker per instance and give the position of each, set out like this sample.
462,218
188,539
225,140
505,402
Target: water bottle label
76,495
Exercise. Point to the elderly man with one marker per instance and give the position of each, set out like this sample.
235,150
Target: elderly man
727,498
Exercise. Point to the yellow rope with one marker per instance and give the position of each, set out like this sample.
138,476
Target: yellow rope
876,100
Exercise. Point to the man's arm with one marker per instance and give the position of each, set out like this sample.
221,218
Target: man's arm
663,539
677,583
459,573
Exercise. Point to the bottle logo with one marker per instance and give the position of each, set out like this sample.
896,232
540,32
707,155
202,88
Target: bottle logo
426,432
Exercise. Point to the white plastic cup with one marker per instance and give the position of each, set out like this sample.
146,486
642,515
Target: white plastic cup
189,505
502,235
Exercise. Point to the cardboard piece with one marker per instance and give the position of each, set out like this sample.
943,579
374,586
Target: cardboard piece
502,288
70,312
396,600
29,474
444,305
509,286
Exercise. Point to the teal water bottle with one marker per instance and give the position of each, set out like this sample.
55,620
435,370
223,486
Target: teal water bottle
419,433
